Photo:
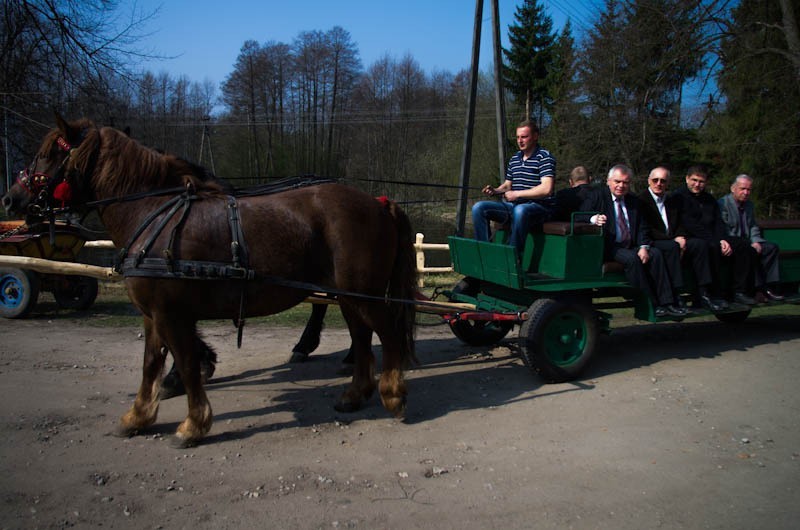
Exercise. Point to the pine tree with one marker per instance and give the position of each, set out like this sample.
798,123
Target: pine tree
530,59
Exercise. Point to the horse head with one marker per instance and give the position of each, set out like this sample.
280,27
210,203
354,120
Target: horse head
56,178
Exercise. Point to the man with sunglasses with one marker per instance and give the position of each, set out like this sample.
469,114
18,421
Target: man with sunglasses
661,211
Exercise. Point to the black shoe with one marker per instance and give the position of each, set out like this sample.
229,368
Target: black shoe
773,296
710,304
675,311
741,298
670,311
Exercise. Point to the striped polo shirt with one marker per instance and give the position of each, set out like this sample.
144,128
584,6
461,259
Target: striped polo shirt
525,174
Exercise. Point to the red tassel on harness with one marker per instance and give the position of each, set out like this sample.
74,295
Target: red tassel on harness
63,193
383,199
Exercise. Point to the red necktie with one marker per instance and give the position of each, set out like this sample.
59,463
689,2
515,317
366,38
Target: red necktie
622,226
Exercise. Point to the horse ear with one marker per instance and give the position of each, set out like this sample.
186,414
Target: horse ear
62,125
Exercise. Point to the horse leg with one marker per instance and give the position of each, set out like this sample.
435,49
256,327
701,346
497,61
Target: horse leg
309,340
144,411
362,385
172,386
392,385
181,336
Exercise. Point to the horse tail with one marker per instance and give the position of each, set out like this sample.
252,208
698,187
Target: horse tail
403,283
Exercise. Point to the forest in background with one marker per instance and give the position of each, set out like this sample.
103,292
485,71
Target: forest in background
619,92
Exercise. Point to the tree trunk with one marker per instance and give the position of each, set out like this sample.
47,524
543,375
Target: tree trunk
792,34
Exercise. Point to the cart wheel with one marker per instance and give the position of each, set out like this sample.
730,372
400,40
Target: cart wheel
735,317
75,292
19,291
477,332
558,339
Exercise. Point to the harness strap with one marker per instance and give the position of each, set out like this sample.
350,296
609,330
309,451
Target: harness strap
123,252
184,269
240,258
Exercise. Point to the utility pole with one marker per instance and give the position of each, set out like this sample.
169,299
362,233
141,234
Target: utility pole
499,108
466,157
206,137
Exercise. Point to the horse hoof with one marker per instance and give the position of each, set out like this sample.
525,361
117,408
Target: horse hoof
178,442
171,386
171,391
397,406
298,357
124,432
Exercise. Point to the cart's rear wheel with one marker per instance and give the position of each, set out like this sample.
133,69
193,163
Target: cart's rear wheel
558,339
75,292
477,332
19,291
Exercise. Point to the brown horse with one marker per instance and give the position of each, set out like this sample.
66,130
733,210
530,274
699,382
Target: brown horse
259,252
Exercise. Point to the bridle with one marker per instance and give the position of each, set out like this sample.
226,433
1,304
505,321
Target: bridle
43,186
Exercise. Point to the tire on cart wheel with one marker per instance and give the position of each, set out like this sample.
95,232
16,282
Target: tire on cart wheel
75,292
477,332
558,339
19,291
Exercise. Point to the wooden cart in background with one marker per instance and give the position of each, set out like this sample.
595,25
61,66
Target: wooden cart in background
20,287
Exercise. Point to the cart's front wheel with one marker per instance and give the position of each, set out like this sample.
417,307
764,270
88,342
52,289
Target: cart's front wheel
75,292
477,332
558,339
19,291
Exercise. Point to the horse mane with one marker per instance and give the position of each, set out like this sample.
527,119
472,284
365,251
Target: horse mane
119,165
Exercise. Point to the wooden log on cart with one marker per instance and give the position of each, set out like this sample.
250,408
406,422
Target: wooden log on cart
47,266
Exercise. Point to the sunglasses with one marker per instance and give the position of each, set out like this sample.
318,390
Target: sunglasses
659,181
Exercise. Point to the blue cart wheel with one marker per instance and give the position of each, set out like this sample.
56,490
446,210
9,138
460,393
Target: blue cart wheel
19,291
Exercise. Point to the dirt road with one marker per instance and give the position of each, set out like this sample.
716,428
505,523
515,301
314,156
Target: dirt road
693,425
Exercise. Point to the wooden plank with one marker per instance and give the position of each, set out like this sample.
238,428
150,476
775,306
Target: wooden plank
47,266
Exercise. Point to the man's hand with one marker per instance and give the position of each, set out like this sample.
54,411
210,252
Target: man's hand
644,255
725,247
756,245
598,219
512,196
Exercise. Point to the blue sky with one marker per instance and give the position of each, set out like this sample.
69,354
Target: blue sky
208,34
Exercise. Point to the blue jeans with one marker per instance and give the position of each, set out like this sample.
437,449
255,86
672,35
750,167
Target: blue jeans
522,217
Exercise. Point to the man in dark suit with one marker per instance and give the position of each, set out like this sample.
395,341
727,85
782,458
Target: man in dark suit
661,212
627,240
700,217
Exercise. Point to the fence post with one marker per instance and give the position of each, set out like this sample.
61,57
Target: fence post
420,260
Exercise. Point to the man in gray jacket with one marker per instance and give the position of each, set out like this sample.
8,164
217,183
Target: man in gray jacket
739,219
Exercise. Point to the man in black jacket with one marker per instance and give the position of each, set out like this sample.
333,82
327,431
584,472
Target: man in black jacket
569,199
627,240
662,214
700,217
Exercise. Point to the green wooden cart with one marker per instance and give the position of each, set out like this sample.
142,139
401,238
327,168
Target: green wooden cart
560,292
